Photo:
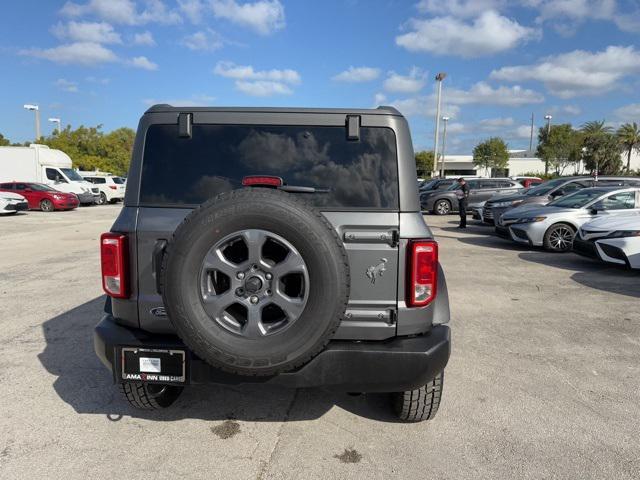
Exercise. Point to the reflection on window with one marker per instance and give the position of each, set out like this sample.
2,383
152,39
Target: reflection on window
190,171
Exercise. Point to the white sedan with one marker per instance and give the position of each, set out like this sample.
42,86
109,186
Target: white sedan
611,239
12,203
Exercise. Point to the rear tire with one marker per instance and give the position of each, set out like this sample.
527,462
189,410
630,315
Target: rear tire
559,237
103,199
419,404
46,205
442,207
147,396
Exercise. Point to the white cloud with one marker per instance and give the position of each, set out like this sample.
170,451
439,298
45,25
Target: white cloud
192,9
144,38
143,63
577,73
94,32
628,113
263,16
379,99
357,74
66,85
571,110
480,93
193,101
258,83
411,83
522,131
263,88
78,53
204,40
246,72
483,93
567,15
459,8
487,34
123,11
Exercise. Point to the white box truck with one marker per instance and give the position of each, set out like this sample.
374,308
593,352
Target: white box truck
39,163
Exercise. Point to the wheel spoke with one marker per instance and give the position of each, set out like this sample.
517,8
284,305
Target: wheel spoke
292,307
215,305
254,239
293,263
253,328
215,260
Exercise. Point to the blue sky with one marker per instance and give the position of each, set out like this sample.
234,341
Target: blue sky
105,61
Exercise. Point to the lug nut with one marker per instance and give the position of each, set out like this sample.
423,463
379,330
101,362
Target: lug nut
239,292
268,292
253,299
240,275
254,267
268,276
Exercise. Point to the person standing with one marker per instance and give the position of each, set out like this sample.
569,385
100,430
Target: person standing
463,200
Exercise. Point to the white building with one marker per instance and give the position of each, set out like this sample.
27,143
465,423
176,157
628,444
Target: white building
520,162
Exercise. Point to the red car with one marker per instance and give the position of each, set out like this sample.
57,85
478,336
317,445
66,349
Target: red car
41,196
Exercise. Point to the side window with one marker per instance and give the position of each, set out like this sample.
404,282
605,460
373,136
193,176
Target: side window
52,173
6,186
21,186
488,184
611,183
619,201
632,183
90,179
571,187
474,184
100,180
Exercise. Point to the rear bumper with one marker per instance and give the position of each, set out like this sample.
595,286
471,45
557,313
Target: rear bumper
395,365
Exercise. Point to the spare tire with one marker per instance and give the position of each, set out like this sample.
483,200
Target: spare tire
255,281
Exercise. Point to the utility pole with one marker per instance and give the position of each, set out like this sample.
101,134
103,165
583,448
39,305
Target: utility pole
531,137
57,122
444,143
546,162
439,78
35,109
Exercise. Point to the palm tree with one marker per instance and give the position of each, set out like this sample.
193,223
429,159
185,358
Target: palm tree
629,137
595,127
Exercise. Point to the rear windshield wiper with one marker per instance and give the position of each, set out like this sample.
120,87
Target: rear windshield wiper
297,189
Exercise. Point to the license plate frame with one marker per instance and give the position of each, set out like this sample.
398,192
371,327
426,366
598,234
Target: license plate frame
172,362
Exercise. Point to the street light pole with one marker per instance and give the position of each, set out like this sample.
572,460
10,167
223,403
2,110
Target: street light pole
57,122
546,162
444,143
439,78
36,109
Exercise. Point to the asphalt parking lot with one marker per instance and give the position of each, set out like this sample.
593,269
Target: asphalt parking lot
542,382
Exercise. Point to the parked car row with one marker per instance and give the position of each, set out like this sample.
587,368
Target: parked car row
599,218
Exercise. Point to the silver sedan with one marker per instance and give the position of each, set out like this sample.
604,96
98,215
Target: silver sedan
554,225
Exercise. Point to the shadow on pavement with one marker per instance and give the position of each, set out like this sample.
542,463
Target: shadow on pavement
86,385
591,273
482,235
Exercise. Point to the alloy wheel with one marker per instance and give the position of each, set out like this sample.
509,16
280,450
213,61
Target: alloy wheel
561,238
254,283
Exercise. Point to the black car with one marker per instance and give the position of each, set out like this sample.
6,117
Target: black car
481,189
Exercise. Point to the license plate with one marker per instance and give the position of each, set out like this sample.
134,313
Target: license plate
153,365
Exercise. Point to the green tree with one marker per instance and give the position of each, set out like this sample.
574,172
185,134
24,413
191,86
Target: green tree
424,162
4,141
491,153
559,146
600,148
90,149
629,137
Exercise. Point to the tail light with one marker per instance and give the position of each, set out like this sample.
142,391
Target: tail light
113,187
422,272
114,261
261,181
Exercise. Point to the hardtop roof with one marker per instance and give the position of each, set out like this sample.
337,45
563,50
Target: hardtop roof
382,110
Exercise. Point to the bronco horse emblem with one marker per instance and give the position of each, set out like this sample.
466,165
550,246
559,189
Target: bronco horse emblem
374,272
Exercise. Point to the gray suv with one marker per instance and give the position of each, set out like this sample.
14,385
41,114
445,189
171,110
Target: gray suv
274,246
480,190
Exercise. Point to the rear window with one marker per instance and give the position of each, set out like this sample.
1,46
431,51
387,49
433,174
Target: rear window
189,171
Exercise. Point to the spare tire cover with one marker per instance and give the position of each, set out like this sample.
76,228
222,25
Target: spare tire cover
255,281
